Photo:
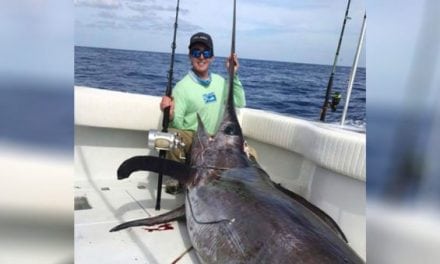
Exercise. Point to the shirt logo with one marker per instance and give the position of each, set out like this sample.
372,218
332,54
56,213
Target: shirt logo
209,98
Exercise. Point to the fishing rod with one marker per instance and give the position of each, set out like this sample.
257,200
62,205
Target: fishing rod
330,81
231,60
166,111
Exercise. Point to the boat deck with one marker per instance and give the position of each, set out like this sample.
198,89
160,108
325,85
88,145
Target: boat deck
102,201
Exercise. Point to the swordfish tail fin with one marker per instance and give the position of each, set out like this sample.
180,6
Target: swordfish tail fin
176,170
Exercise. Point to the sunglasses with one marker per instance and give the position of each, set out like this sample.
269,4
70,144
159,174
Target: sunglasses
197,53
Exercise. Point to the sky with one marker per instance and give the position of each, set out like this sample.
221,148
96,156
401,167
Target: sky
282,30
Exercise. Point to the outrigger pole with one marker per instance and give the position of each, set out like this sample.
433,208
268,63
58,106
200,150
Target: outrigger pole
330,81
166,111
353,70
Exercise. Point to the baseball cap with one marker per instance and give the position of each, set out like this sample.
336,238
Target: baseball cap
203,38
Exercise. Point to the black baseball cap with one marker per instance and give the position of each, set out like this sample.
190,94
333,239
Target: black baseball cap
203,38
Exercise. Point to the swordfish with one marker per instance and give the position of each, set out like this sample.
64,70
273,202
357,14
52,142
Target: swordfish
234,212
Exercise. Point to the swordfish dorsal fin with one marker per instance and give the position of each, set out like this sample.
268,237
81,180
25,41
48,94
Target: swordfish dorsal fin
229,132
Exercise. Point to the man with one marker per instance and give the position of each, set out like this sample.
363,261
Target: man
199,92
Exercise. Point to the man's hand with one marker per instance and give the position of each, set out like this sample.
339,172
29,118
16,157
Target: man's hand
234,59
167,102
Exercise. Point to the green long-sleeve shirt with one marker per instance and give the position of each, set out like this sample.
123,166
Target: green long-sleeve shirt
191,98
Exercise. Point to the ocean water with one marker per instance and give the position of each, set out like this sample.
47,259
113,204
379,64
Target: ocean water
294,89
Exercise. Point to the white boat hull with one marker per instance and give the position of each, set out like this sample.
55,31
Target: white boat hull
323,164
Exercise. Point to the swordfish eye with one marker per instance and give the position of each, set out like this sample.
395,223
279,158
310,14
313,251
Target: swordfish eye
231,129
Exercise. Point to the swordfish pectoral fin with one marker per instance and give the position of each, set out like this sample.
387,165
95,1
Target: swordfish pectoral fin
317,211
176,214
176,170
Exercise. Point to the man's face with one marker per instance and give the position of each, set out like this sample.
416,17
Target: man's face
200,64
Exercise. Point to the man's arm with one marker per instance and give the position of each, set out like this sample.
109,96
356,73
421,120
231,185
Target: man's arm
167,102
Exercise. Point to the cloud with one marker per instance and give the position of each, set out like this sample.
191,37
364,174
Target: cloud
147,18
158,24
107,15
108,4
186,26
134,15
153,8
100,24
308,25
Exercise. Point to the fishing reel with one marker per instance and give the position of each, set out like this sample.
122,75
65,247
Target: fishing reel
336,98
165,141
